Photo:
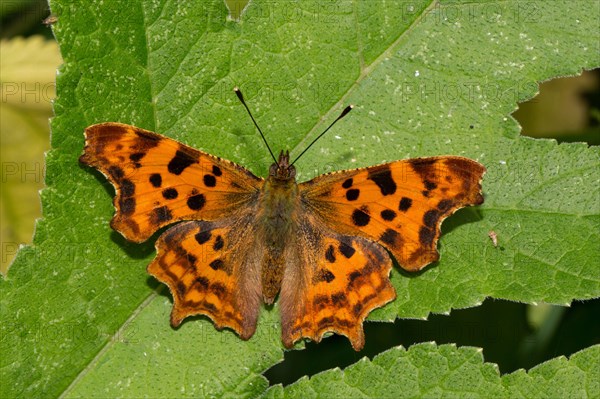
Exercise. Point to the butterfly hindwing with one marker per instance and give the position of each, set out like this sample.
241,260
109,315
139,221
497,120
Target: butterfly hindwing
159,181
212,268
331,283
400,205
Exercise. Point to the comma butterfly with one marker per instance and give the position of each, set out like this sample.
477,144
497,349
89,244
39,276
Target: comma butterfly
321,245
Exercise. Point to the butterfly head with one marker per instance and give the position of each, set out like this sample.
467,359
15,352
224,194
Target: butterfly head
282,170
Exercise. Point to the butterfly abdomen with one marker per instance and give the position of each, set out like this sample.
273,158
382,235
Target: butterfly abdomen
279,203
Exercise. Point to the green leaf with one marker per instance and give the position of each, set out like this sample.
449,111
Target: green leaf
159,360
426,370
80,316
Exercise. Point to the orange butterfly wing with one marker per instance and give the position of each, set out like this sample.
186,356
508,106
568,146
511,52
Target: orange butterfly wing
331,283
206,264
340,274
212,268
159,181
400,205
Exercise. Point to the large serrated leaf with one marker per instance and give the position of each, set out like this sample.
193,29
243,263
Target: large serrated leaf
80,316
426,370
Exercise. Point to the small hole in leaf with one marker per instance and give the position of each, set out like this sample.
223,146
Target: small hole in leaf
236,8
566,109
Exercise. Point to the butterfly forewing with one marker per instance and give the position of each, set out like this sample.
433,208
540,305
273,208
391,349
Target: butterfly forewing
400,205
159,181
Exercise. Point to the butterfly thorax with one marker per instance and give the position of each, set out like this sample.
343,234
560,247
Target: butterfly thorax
279,199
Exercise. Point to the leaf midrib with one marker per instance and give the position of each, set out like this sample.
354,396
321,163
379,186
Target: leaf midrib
119,332
364,73
154,293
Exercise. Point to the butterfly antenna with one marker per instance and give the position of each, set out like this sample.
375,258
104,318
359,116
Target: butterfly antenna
344,113
241,97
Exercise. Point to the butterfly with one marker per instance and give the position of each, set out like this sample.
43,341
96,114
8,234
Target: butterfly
237,240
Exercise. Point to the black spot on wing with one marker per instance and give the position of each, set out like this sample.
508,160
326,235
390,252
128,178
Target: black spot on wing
148,140
191,259
389,237
131,224
155,180
339,299
429,185
324,275
180,162
352,195
426,235
320,301
216,170
360,218
353,276
218,289
388,214
346,250
196,202
216,264
325,322
180,288
136,157
430,218
445,205
116,172
127,188
405,204
202,237
170,193
202,282
218,243
330,254
209,306
382,176
160,215
424,168
209,180
127,205
347,183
